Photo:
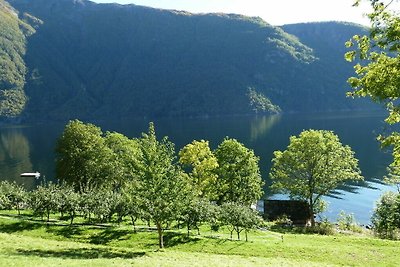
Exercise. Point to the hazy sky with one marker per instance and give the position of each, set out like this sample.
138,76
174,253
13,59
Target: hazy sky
276,12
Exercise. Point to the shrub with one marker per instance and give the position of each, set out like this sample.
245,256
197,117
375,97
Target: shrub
347,222
386,216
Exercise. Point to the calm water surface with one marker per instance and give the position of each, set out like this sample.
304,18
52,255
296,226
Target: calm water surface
31,147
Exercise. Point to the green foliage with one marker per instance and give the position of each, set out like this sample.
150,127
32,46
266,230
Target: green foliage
347,222
45,200
82,157
377,57
201,161
261,104
124,156
196,212
239,178
163,187
314,164
12,195
386,216
238,218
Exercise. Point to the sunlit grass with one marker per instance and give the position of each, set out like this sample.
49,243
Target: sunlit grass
35,243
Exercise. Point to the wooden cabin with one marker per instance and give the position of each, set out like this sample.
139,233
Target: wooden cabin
297,211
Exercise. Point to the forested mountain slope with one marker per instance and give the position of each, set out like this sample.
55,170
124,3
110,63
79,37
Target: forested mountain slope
86,60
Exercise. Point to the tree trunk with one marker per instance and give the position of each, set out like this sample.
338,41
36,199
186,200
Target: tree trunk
160,235
246,235
133,223
238,233
312,212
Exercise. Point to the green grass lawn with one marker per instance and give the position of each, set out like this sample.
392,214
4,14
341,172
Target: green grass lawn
33,243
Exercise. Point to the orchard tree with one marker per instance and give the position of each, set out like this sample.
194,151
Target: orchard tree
82,157
163,187
314,164
377,70
239,178
198,157
238,218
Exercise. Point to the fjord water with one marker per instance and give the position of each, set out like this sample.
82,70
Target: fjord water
30,148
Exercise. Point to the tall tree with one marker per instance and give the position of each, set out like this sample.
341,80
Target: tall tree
163,187
377,69
125,153
313,165
239,178
201,161
82,158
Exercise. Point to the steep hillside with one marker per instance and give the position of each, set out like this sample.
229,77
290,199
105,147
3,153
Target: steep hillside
90,60
326,83
13,32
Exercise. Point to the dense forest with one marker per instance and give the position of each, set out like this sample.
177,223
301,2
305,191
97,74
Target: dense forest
63,59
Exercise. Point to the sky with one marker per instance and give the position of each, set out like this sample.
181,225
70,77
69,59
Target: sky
275,12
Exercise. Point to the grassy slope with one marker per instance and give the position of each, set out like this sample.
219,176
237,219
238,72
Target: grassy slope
25,243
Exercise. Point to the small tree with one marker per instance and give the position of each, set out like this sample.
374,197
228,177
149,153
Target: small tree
239,178
386,216
162,186
313,165
45,200
238,218
196,212
12,195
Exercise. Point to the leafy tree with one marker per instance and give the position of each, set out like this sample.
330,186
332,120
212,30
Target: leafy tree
377,58
203,163
12,195
314,164
162,185
69,201
82,157
45,200
196,212
239,178
238,218
386,216
124,156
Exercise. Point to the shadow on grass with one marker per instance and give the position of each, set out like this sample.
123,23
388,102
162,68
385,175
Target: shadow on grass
172,239
19,227
65,231
80,253
108,235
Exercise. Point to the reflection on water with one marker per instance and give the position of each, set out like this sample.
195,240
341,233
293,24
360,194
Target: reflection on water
26,149
260,126
15,157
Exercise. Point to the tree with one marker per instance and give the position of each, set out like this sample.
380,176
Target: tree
377,70
197,211
82,157
386,216
238,218
162,187
124,155
239,178
314,164
200,159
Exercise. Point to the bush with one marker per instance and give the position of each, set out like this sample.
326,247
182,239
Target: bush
386,216
347,222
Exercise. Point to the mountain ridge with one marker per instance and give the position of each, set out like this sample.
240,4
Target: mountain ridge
88,60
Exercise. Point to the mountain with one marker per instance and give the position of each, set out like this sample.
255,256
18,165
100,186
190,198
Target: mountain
78,59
